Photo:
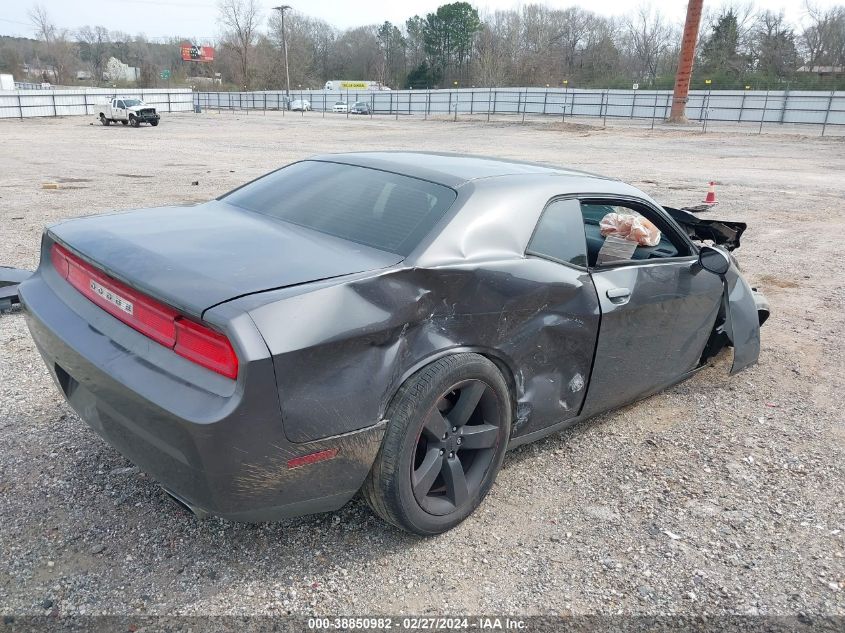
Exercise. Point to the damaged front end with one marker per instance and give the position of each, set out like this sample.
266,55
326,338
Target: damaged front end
719,232
744,309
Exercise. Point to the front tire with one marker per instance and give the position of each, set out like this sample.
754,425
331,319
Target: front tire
133,121
446,438
154,123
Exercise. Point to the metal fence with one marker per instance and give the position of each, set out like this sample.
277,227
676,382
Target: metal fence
19,104
754,109
776,110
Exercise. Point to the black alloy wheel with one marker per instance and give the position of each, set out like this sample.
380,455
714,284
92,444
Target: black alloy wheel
447,433
455,447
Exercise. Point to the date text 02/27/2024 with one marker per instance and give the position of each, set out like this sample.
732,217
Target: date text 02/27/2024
417,623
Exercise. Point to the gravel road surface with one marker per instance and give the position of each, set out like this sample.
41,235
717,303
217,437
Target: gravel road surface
720,495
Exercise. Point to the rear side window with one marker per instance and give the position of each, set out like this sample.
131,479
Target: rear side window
386,211
560,234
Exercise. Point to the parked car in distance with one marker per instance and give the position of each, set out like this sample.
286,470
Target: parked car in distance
360,107
340,106
128,111
389,322
300,105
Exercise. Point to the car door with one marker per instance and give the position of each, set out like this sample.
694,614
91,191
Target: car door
119,110
556,352
658,308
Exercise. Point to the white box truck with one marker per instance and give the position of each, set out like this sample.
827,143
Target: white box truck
342,85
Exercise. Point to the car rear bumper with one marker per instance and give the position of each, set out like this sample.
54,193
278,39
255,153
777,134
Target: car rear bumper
221,453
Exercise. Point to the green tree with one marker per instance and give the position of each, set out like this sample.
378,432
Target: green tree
774,46
449,34
392,49
423,76
720,53
415,41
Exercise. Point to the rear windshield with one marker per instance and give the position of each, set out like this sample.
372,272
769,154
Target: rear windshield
380,209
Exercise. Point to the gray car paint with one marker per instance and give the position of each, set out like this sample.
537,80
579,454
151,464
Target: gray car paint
216,444
641,334
324,345
198,256
742,324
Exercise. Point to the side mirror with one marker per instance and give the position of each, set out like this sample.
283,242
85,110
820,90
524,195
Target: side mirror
714,260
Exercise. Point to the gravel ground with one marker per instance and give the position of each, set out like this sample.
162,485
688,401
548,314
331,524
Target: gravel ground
721,495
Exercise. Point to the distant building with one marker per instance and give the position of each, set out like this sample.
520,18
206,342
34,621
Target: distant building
116,70
35,72
204,81
823,71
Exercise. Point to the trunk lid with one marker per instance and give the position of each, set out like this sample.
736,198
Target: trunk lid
196,257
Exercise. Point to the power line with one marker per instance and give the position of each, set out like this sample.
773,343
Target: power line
168,4
15,22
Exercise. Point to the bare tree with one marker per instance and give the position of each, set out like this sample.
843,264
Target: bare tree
531,44
490,60
357,52
240,20
310,41
576,25
823,38
59,50
94,49
774,50
649,39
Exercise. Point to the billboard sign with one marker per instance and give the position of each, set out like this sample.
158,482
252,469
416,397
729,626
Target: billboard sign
192,53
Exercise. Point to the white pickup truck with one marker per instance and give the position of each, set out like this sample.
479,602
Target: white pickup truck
129,112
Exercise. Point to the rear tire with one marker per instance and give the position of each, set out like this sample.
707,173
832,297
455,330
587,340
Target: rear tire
446,438
104,120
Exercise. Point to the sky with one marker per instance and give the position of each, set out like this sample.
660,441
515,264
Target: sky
198,18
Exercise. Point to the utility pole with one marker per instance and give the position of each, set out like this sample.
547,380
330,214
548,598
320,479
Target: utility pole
281,11
685,60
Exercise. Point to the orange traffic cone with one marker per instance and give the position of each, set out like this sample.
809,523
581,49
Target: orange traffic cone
711,194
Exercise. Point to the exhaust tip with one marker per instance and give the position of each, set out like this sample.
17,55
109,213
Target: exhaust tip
184,505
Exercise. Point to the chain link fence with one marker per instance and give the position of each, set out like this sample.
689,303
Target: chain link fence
22,104
821,112
803,111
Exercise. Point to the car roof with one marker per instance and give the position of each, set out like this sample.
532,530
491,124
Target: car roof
451,170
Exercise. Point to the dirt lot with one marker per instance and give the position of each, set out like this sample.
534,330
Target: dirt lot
721,495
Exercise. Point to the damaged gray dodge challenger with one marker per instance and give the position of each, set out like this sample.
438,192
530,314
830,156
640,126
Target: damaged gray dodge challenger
381,322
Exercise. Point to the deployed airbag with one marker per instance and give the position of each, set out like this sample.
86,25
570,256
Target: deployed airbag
634,228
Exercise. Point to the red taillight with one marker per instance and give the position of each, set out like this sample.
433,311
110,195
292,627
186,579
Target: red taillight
194,341
205,347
